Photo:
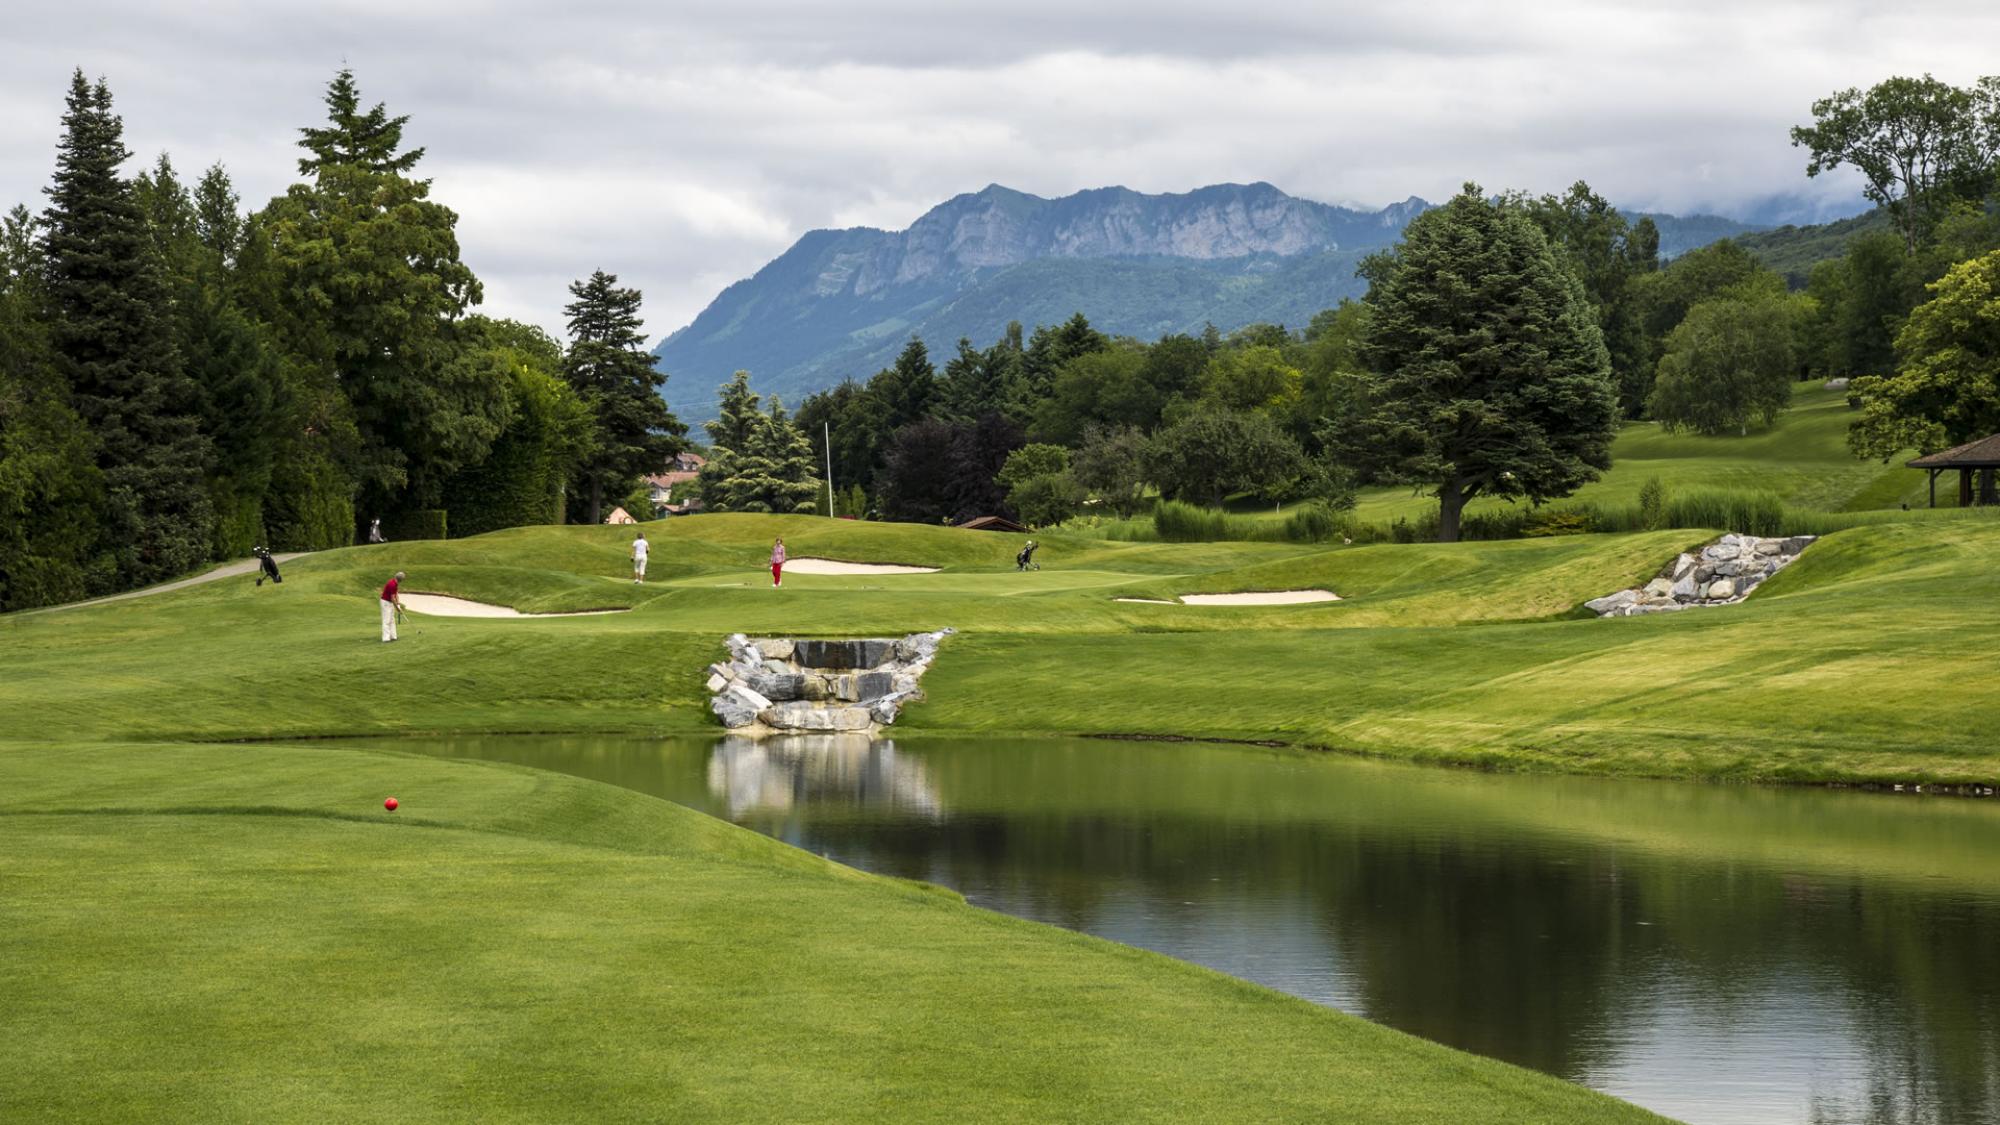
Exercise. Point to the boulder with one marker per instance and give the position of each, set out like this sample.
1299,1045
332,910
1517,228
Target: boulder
1611,603
775,648
1704,574
1660,588
843,655
778,687
805,716
1720,552
1682,566
776,667
873,685
1795,544
1721,589
716,682
749,698
1769,546
733,710
1686,589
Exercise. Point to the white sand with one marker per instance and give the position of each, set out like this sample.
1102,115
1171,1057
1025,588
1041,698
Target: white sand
1144,601
443,605
835,566
1270,597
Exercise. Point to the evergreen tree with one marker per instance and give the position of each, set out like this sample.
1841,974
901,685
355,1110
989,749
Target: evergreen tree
1490,373
846,415
218,223
371,292
906,390
760,462
113,344
610,369
354,139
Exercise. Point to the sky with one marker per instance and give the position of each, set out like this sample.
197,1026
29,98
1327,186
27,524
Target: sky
682,146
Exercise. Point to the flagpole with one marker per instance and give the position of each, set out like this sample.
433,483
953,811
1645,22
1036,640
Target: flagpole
826,437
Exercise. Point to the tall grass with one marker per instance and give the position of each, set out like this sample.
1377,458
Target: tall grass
1746,512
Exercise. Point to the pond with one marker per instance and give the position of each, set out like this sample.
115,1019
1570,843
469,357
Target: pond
1719,954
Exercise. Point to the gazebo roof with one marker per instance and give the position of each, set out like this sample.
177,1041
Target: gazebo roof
1981,454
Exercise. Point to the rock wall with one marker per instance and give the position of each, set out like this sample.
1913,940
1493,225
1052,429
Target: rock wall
798,684
1724,572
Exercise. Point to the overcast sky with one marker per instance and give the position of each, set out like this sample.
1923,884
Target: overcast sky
681,146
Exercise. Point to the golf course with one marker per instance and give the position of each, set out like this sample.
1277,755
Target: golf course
221,915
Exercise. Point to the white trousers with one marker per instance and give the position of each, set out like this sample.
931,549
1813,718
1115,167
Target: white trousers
388,619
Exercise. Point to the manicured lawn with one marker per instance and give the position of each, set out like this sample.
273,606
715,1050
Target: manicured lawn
239,932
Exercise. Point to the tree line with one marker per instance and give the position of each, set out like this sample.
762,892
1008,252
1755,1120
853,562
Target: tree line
1498,347
181,380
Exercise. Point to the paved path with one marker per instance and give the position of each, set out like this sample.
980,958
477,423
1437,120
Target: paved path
226,570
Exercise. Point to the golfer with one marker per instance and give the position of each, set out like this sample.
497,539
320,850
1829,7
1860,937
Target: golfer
375,532
778,563
639,548
392,604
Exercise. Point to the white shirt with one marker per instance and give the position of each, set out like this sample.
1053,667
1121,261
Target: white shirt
638,550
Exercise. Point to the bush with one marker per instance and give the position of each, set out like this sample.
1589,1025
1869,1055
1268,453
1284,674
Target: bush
1544,523
1652,504
1315,522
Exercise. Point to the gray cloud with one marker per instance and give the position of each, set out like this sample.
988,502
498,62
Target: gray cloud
682,146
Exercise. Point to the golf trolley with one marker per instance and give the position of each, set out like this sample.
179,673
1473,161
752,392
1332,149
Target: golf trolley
1026,559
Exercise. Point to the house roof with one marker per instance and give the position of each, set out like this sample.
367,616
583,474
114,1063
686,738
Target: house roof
668,480
1981,454
991,523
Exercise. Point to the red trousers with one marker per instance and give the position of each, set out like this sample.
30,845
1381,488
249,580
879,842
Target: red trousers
777,575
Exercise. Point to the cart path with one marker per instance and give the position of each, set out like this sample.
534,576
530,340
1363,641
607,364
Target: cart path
237,569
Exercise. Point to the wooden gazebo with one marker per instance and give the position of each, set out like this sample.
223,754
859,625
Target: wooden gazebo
1981,457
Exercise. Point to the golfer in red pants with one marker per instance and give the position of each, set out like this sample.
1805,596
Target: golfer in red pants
778,563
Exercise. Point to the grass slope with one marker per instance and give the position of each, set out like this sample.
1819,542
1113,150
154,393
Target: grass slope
1803,459
236,932
251,943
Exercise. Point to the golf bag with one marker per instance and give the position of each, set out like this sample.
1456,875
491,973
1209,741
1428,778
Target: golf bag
1026,559
268,565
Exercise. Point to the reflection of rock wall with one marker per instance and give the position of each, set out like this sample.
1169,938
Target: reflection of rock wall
1722,574
776,774
819,685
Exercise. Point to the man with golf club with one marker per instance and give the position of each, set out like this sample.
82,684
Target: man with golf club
392,607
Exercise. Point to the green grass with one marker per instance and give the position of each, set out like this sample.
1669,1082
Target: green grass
256,941
237,932
1803,460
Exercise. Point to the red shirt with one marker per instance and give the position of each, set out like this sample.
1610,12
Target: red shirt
389,591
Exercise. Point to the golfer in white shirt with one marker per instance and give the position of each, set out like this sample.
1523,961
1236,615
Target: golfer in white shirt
639,549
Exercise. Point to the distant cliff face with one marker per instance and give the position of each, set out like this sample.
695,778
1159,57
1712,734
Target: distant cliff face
842,303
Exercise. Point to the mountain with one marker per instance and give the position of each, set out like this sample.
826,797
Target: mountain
841,303
1795,250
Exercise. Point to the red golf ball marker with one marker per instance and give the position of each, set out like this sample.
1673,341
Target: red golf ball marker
390,804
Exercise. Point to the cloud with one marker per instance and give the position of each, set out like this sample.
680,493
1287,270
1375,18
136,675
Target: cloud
683,146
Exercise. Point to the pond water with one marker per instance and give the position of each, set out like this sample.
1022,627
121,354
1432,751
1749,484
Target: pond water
1719,954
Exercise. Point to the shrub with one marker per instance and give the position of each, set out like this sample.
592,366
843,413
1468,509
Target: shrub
1652,504
1546,522
1314,522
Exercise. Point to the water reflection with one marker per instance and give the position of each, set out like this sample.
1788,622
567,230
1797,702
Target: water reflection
747,775
1718,954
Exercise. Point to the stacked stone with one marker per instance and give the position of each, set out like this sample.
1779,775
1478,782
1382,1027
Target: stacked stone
819,685
1723,573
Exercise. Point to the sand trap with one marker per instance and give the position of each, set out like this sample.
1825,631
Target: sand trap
1145,601
444,605
835,566
1269,597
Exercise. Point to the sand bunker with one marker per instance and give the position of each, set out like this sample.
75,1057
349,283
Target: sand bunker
444,605
835,566
1268,597
1145,601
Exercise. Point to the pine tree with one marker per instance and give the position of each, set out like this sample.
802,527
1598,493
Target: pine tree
373,296
760,462
610,369
114,346
904,391
218,223
353,139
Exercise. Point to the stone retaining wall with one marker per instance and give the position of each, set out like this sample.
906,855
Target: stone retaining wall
1723,573
799,684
